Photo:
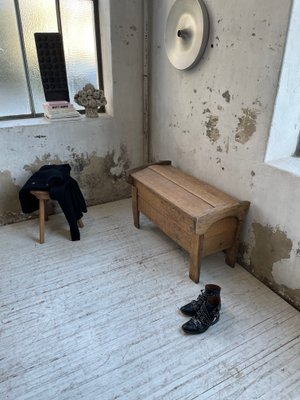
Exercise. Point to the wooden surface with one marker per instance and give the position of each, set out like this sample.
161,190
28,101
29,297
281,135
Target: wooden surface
199,217
99,319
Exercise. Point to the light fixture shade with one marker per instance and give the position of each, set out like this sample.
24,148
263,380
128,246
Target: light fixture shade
186,33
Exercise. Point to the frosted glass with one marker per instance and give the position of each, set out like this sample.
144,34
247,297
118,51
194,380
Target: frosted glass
78,29
36,16
13,89
77,18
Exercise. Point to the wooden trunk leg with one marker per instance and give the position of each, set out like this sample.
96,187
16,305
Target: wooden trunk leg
135,209
42,220
231,253
195,257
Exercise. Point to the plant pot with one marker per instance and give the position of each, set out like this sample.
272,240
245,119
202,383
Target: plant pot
91,112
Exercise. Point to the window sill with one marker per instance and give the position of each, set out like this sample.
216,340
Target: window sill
13,123
289,164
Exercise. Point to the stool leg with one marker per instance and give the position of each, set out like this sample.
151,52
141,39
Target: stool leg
80,223
195,257
45,211
42,220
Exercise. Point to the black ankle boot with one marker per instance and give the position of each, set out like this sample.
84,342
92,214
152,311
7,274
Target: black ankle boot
208,314
194,306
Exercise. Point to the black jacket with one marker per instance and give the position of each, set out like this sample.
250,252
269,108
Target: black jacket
62,187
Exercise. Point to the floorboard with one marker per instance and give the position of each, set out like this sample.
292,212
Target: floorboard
99,318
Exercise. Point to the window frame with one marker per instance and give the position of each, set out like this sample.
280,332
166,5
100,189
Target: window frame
34,114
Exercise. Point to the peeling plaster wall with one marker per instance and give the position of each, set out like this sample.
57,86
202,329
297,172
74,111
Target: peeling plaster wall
213,122
98,150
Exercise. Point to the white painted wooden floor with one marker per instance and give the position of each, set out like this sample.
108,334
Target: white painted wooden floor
99,319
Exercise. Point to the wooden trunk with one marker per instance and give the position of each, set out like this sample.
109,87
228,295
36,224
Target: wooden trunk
197,216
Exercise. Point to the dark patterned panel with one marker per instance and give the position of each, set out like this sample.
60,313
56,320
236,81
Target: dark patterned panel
52,66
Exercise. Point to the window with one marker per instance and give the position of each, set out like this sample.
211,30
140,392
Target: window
21,89
297,151
284,134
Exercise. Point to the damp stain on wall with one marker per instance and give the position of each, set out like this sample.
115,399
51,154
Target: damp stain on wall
102,179
291,295
246,126
9,199
271,245
212,130
46,159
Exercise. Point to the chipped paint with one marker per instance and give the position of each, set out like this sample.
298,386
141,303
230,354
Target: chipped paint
246,126
212,131
271,245
9,199
226,96
257,102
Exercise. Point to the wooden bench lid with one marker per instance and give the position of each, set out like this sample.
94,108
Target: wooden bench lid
194,197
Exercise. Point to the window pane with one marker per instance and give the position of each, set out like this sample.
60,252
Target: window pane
37,16
13,89
78,28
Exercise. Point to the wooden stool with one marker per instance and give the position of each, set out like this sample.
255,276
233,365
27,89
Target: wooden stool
43,196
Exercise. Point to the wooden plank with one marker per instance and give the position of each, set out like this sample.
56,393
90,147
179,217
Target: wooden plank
168,225
201,189
217,243
214,215
168,190
223,226
165,208
220,236
131,171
